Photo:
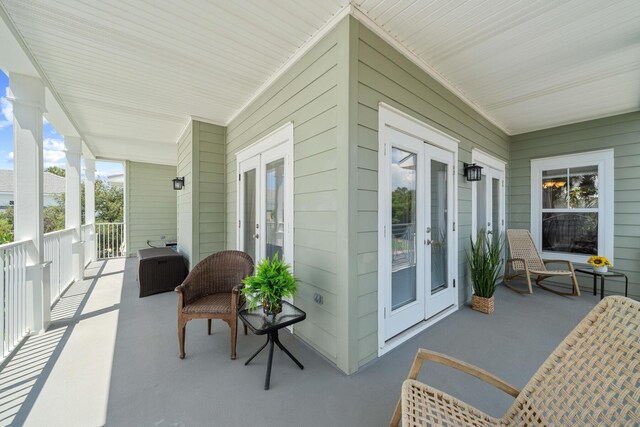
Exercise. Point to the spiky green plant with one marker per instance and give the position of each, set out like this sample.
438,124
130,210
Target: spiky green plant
484,263
272,282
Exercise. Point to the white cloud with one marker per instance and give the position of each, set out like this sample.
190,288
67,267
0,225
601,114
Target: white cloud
52,153
53,144
7,111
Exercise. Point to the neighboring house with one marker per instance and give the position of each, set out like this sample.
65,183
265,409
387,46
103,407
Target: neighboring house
116,180
54,185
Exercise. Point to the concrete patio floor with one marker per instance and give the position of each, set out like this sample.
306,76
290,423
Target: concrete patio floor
111,358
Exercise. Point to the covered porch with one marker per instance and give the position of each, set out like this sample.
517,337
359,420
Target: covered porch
111,358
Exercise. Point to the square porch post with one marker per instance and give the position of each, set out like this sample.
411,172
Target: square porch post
27,95
72,205
90,203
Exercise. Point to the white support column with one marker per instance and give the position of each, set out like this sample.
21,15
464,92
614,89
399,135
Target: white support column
90,202
72,201
28,98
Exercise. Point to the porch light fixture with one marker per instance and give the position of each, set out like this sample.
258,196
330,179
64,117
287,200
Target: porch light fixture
178,183
472,172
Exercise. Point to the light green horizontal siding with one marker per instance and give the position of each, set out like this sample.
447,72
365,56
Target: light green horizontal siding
151,204
385,75
184,196
622,133
211,191
306,95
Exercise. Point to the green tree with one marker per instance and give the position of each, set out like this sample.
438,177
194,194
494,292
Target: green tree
109,208
109,202
56,170
6,225
403,205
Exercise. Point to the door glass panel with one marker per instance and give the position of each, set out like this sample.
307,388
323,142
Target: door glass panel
481,208
403,227
249,219
495,206
438,226
274,215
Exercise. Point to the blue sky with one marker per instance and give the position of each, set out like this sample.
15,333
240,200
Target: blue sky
53,142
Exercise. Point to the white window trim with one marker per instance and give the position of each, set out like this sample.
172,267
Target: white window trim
390,117
604,159
281,136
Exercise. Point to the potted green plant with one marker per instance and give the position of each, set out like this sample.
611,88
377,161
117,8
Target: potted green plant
272,282
484,267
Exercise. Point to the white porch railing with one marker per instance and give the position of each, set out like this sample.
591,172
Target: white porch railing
87,231
13,294
58,250
110,240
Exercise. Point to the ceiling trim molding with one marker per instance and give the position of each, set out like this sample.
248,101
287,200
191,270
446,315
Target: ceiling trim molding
424,66
205,120
184,130
573,122
302,50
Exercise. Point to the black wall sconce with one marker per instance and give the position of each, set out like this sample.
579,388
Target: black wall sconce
178,183
472,172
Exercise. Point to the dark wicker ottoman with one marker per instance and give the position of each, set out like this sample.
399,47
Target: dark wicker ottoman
160,270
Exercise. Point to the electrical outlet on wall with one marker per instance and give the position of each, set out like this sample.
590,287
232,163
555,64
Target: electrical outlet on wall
318,298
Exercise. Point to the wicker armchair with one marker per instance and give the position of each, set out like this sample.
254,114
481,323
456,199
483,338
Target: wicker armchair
592,378
525,261
212,291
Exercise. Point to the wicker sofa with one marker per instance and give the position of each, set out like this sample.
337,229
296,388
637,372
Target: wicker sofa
591,379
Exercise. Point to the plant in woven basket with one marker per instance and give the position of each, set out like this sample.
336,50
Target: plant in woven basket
484,266
272,282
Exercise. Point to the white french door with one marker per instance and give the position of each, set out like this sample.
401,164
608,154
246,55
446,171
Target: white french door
489,202
438,214
418,235
265,198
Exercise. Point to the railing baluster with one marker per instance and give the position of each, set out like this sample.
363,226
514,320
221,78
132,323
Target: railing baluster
109,240
13,295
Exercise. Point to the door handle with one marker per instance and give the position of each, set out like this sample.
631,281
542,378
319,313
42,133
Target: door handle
428,241
256,236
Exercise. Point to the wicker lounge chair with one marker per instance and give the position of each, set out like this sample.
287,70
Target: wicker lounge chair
591,379
525,261
212,291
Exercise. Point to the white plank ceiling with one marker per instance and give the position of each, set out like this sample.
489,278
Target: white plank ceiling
526,64
131,73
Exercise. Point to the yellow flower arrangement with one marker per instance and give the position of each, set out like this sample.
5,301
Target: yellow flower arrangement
599,261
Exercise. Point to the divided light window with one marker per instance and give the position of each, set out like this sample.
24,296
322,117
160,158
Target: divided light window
572,205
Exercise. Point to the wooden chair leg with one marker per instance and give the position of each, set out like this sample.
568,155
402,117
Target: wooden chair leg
234,336
529,282
182,327
576,288
209,327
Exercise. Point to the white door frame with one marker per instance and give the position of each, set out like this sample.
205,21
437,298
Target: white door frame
392,118
487,161
278,143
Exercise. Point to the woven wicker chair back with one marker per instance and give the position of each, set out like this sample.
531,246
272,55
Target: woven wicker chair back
521,246
217,273
593,376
